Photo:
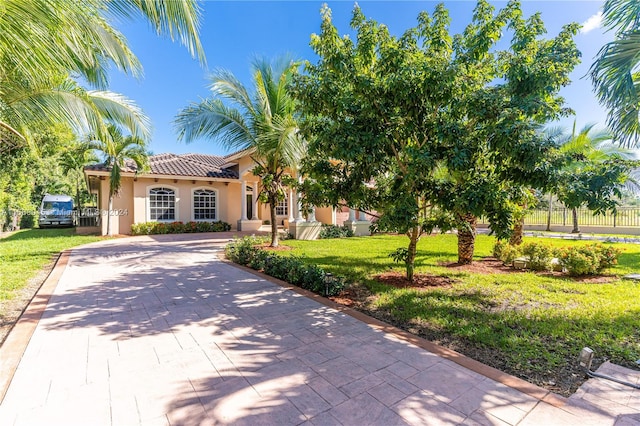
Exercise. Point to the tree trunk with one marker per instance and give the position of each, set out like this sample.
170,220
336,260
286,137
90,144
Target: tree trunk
466,239
274,223
414,236
518,231
576,228
550,212
109,216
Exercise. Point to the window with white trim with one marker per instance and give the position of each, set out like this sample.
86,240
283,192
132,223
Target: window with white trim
282,208
162,204
204,204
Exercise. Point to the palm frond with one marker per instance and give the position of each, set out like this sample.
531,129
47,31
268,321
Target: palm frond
213,119
178,19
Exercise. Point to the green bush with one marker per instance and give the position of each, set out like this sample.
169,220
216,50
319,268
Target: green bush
588,260
243,250
27,221
538,256
292,269
148,228
334,231
506,252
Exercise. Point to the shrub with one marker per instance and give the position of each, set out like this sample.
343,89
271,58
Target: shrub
148,228
333,231
292,269
506,252
539,256
27,221
242,250
588,260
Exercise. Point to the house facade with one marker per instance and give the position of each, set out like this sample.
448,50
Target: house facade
198,187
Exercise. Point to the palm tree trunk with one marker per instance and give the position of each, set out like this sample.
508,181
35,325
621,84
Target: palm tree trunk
518,231
274,223
576,228
466,239
109,216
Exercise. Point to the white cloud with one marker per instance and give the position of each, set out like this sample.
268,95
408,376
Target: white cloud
592,23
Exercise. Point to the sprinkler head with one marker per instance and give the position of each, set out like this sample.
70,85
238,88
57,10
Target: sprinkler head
586,358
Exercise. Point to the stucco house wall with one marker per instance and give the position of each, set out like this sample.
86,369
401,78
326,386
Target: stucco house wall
230,177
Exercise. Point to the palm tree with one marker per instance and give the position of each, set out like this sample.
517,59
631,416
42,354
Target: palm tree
45,42
117,149
72,162
615,71
584,148
264,121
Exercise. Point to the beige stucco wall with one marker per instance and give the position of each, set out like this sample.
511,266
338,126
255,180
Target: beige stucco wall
325,215
131,206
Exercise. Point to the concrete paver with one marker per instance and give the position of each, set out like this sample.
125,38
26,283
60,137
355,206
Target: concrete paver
158,330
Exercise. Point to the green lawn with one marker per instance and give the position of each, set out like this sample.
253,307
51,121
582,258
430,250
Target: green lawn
528,324
24,253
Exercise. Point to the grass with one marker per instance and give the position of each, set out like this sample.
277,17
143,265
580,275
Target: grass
528,324
27,252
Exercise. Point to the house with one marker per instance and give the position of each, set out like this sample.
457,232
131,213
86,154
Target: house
199,187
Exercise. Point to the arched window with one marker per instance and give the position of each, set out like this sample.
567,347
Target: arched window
282,208
204,204
162,204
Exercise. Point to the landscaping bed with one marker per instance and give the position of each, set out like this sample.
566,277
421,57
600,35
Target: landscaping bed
531,325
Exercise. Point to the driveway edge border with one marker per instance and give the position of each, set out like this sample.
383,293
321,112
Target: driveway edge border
16,342
513,382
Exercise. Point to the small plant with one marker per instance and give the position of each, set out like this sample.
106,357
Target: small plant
400,255
333,231
538,256
506,252
588,260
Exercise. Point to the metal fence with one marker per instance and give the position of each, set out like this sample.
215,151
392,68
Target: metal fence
624,217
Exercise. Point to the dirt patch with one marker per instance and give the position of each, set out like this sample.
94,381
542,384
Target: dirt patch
267,247
487,265
420,281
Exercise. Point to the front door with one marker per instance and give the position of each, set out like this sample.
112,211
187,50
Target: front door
249,202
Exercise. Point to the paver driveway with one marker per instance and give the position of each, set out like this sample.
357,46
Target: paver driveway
160,331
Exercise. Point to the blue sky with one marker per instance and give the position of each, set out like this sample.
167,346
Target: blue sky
234,32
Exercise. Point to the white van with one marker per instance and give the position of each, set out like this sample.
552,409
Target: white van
56,210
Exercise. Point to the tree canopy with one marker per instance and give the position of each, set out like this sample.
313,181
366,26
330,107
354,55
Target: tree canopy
428,128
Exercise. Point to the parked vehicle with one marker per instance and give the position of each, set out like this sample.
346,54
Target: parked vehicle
56,210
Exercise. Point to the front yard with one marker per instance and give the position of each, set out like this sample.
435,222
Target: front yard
527,324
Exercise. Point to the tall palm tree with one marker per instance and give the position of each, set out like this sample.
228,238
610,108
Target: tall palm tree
584,148
263,121
615,72
42,43
117,149
72,162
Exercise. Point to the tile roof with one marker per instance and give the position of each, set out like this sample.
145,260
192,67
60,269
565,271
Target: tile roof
193,165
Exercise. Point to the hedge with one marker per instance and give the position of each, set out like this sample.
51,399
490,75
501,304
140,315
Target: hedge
292,269
148,228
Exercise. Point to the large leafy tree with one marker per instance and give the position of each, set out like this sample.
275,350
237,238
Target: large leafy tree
117,150
615,72
398,111
594,173
263,121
